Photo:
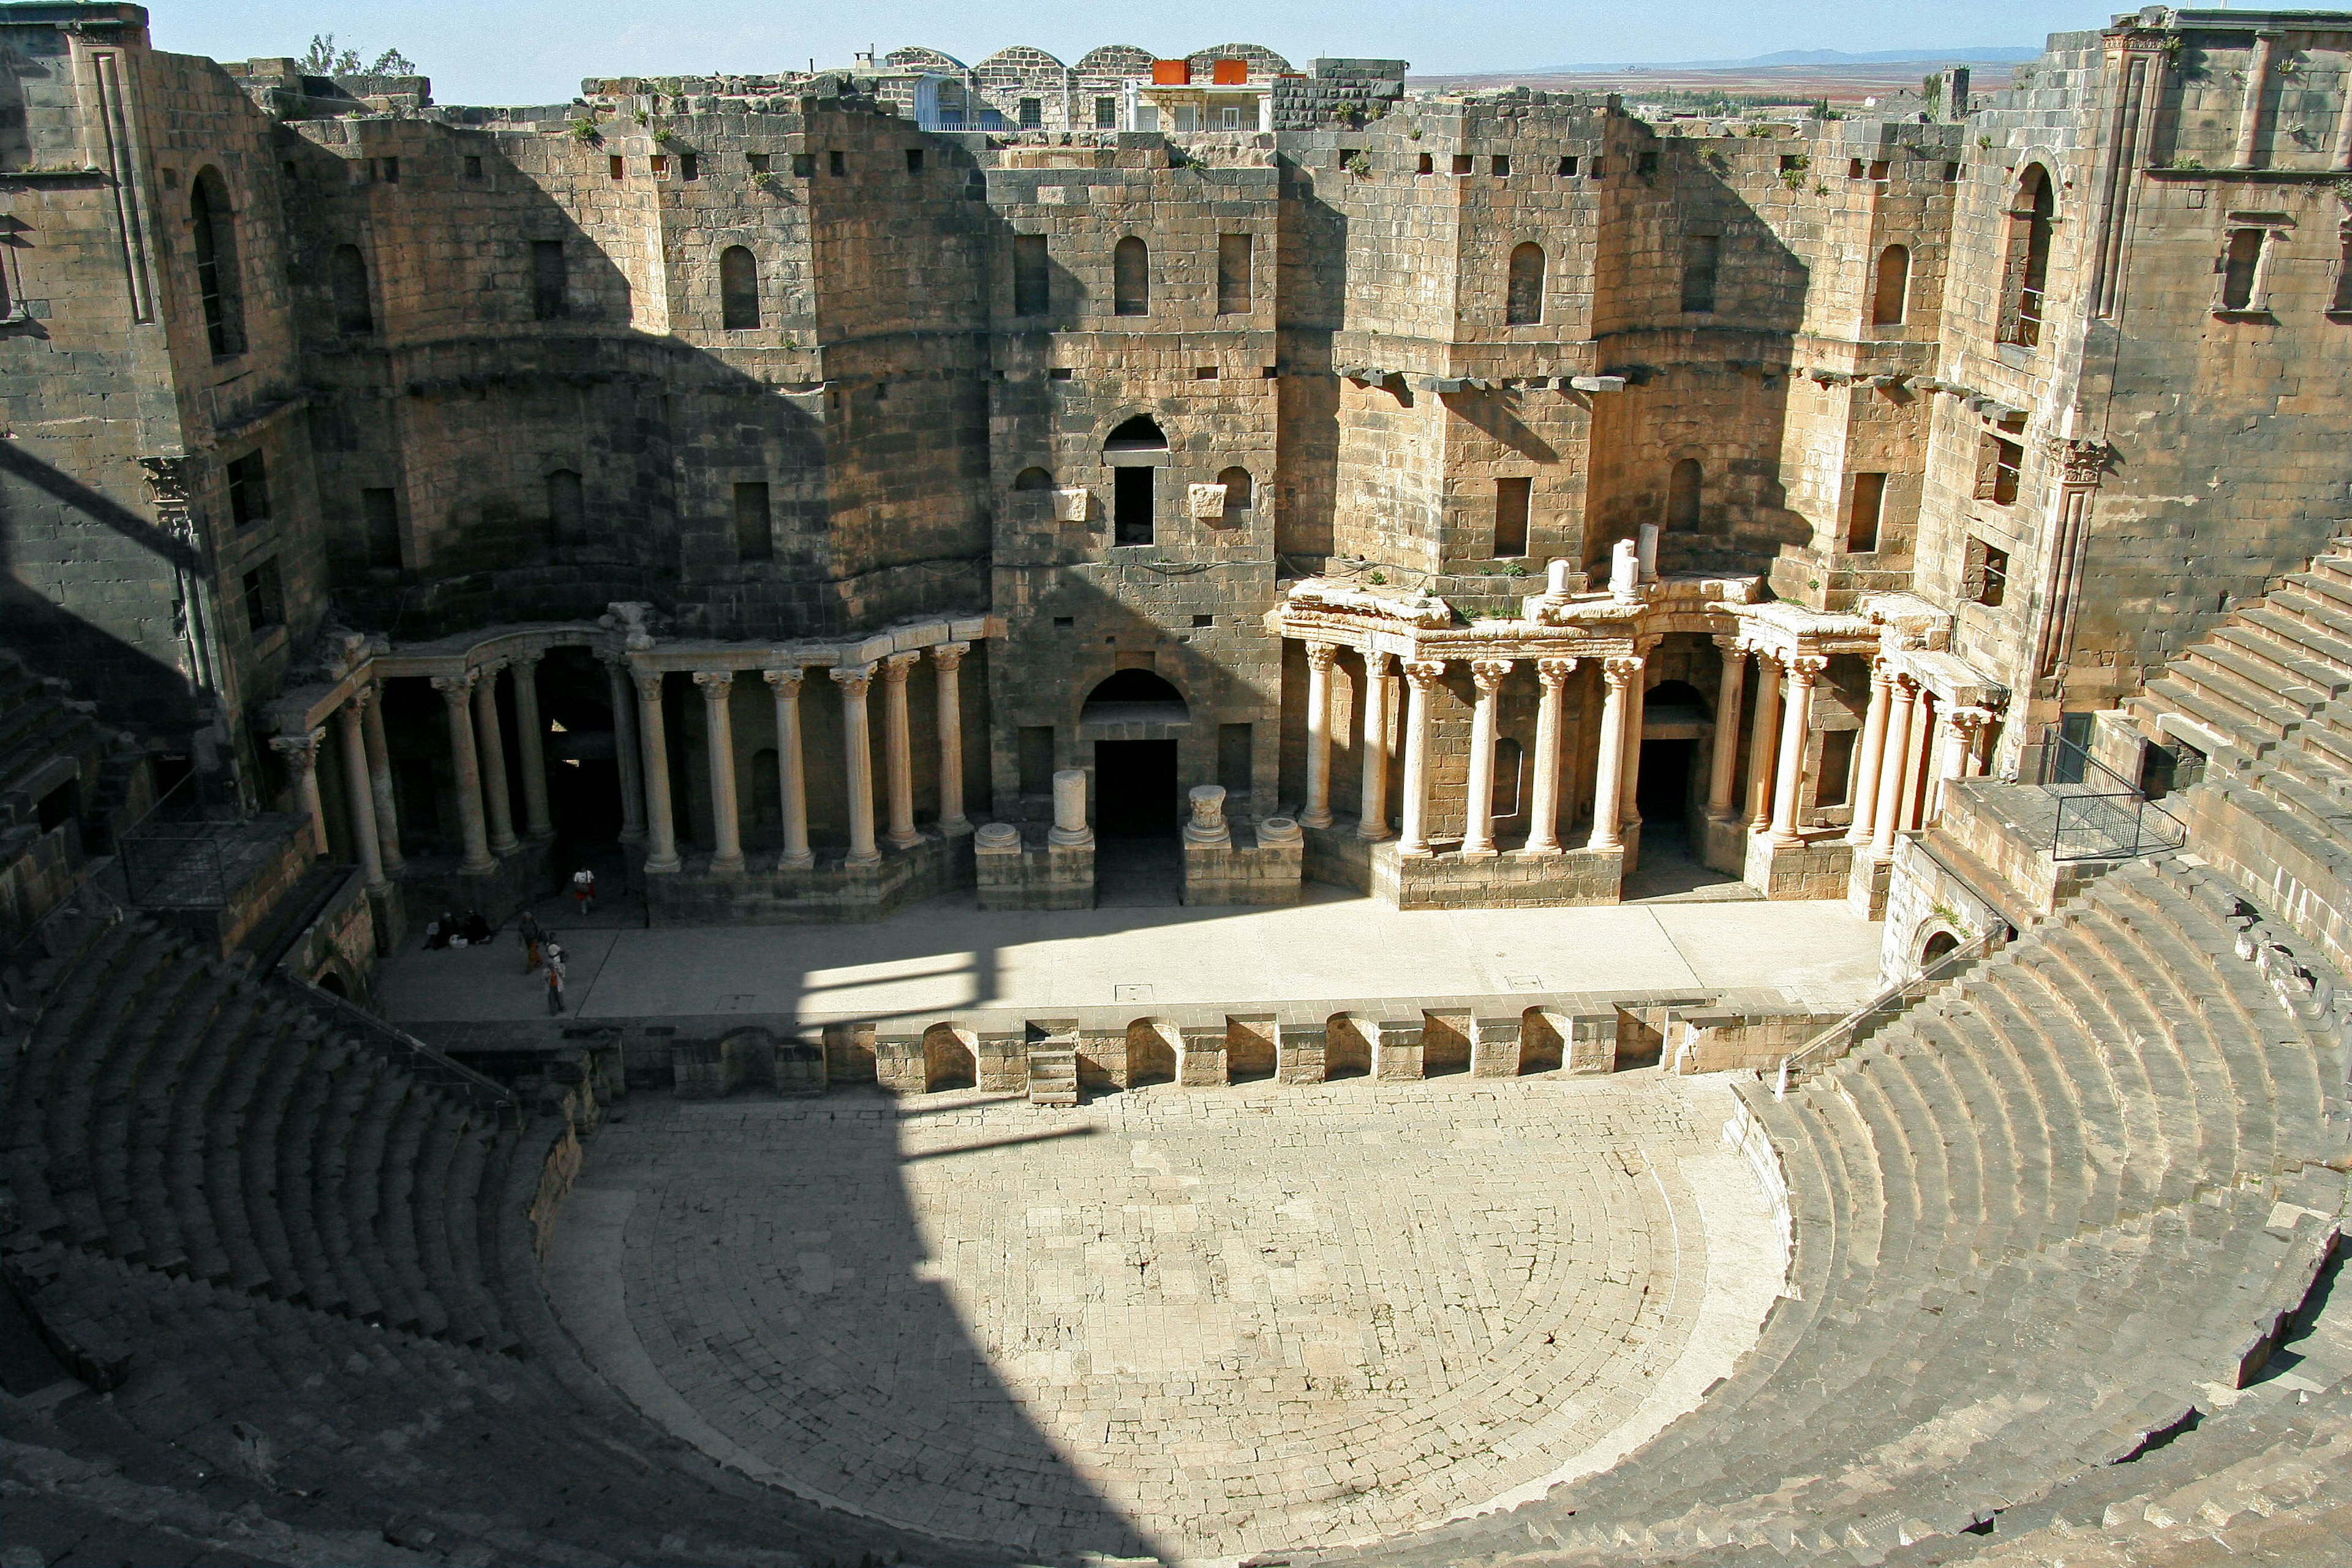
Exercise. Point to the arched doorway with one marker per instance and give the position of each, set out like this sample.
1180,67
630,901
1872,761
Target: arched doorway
1938,945
583,769
1131,716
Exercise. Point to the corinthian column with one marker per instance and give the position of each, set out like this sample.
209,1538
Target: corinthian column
719,737
493,760
1618,676
1723,752
791,768
1761,738
626,755
947,658
1319,655
898,751
532,738
1637,705
1423,676
379,763
455,690
359,799
661,822
1796,720
301,754
1874,751
1543,827
1373,802
858,761
1486,675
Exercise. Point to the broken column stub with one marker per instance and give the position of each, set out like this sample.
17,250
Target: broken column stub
1070,830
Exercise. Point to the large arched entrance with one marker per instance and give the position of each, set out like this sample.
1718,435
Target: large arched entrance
1132,717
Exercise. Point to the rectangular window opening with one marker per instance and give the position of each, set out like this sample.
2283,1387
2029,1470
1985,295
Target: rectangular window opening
1499,165
1512,497
1984,573
248,491
1997,462
2342,303
473,166
391,170
756,162
1568,164
1032,113
1646,161
659,164
1463,163
616,167
1106,114
689,166
837,161
2241,267
1837,768
755,540
914,160
1132,506
1861,518
265,598
804,166
1428,165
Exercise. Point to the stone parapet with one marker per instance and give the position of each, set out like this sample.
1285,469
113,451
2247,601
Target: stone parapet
1012,873
1258,865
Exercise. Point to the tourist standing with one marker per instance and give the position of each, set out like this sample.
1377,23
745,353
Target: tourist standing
555,988
527,930
584,889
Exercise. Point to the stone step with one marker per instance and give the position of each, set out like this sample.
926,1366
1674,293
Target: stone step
1053,1075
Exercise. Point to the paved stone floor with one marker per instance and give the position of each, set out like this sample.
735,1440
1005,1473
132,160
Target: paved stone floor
1184,1324
948,954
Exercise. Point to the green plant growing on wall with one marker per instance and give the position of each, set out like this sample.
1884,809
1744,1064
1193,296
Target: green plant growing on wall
2187,165
1376,579
665,136
1513,569
2343,190
1792,171
584,130
1359,164
765,179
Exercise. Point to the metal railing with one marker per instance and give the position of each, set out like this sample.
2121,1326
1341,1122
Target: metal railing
2101,815
1886,1006
171,858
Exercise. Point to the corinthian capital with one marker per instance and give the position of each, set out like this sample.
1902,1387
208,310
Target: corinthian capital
1487,674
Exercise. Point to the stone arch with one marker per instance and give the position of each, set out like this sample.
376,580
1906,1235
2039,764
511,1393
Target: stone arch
1114,60
1130,277
1136,435
1241,490
950,1058
1134,696
738,290
1891,296
1348,1040
2025,269
1937,944
1152,1044
1685,494
1033,478
347,275
916,58
1523,299
212,222
1262,61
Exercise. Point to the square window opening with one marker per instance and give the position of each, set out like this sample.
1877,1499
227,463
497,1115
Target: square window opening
1568,164
914,160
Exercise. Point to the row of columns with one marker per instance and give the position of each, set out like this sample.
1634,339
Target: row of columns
477,753
1618,768
367,785
646,752
1911,744
1776,738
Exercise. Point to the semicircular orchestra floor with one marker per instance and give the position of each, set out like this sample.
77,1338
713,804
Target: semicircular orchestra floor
1183,1323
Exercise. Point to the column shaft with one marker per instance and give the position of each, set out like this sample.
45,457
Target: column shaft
301,754
1373,802
531,738
653,734
1637,705
947,658
792,769
1874,750
1723,755
1478,837
1608,766
1423,677
1320,657
1543,826
898,751
626,754
1762,738
1917,760
1797,718
493,762
379,763
359,798
1886,810
455,690
718,739
858,761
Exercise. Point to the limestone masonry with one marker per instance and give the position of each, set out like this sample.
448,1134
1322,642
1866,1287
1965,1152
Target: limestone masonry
1044,489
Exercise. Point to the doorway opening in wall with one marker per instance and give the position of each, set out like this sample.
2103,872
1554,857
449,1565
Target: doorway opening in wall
583,770
1676,726
1138,859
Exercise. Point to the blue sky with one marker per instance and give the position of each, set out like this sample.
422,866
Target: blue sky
536,51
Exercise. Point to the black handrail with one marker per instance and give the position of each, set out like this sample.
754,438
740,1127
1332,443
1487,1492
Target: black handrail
2101,815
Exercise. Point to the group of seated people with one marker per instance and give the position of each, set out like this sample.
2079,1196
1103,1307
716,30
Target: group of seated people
454,931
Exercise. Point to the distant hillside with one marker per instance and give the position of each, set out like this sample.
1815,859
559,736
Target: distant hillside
1991,55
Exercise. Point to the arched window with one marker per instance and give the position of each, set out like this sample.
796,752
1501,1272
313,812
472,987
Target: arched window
1131,277
1240,493
217,279
738,290
1523,304
1032,479
1132,451
567,509
2027,270
1894,291
1685,490
347,273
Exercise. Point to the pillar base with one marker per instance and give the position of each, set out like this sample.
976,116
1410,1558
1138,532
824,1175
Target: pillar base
1810,868
1485,852
953,826
662,867
902,840
800,862
1866,885
726,865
